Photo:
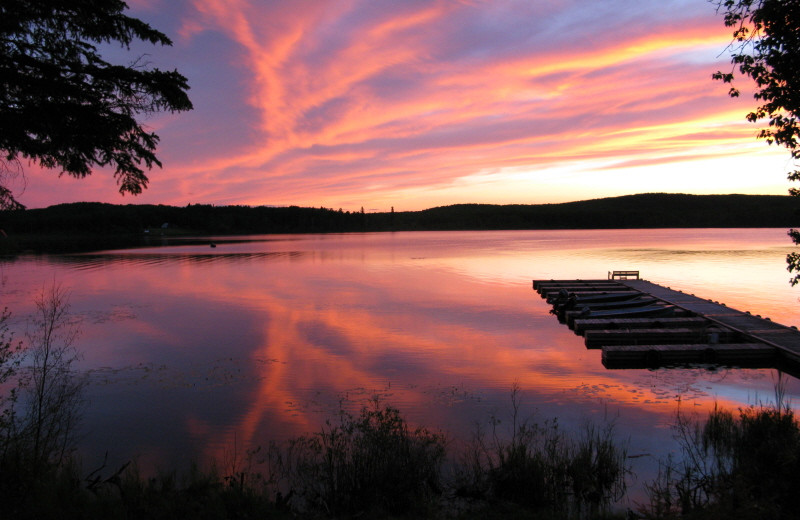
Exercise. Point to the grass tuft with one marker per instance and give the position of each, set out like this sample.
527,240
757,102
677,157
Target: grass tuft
370,464
540,468
744,465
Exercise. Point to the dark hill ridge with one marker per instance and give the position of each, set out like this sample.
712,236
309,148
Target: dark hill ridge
69,226
657,210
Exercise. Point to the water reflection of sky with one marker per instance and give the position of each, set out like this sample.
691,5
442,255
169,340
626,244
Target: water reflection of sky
192,350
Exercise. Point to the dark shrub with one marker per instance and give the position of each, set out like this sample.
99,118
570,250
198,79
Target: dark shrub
745,466
373,463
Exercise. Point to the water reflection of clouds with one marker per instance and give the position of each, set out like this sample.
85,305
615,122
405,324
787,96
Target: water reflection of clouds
255,345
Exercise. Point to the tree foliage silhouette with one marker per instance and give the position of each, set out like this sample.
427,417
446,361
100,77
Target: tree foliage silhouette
766,48
65,107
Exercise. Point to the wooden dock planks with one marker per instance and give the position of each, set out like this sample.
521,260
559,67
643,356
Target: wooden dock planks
752,355
582,325
617,337
754,328
591,296
545,286
688,330
570,317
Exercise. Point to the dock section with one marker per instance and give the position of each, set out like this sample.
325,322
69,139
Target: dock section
639,324
761,329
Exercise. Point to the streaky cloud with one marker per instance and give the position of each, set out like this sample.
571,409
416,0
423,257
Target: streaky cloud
329,101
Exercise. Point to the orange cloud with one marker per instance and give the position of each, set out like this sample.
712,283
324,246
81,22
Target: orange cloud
338,103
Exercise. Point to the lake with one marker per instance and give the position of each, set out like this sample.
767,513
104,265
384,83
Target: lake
196,352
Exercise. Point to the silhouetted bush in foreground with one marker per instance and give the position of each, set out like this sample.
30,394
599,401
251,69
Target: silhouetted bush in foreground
744,466
63,494
373,464
541,468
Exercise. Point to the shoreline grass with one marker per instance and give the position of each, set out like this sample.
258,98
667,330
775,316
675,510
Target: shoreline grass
375,465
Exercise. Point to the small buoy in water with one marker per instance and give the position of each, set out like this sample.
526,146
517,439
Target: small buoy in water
213,244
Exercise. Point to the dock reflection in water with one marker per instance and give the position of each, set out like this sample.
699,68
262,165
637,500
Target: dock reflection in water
194,350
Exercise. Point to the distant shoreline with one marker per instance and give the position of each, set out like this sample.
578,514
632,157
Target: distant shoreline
87,226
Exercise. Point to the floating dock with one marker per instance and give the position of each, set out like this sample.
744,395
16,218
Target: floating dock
639,324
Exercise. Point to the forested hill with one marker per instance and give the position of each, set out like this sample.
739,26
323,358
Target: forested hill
634,211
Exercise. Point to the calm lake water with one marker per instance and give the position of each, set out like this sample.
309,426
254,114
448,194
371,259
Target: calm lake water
194,351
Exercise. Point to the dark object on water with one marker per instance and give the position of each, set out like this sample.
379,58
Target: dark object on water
664,327
649,310
213,244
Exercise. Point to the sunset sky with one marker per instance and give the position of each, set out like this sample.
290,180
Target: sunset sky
419,103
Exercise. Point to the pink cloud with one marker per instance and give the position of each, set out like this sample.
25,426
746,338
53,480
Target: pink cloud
336,101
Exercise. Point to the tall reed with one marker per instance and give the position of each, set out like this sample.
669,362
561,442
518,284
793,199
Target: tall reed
744,465
370,464
541,468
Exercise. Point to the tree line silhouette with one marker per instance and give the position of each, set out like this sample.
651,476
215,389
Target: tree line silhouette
78,225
